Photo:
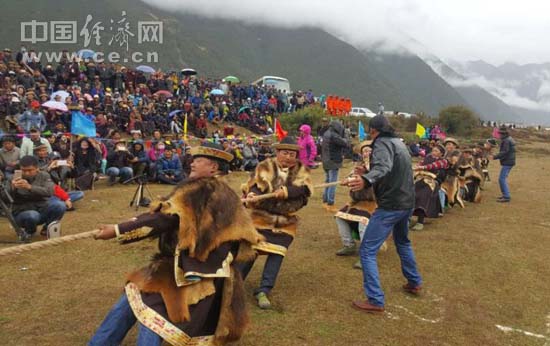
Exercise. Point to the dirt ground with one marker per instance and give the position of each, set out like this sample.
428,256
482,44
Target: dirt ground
483,266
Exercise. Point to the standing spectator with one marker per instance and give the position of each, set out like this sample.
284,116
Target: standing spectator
28,144
33,118
31,194
308,149
507,157
332,155
169,169
392,180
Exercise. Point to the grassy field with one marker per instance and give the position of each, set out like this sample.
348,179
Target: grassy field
483,266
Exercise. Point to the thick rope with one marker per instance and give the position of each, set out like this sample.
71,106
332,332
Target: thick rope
46,243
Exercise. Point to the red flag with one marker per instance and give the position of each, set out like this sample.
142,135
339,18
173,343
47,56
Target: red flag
279,131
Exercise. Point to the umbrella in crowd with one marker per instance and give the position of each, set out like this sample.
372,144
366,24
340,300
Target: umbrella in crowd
164,92
58,106
145,69
188,72
217,92
86,53
231,79
173,113
244,108
63,94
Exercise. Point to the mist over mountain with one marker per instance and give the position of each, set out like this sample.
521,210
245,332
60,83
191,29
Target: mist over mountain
307,55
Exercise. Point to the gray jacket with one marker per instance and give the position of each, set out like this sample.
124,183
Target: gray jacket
332,148
391,174
34,199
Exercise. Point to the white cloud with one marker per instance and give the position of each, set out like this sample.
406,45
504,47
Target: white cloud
493,30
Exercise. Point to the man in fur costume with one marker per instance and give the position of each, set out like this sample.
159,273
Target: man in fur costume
470,177
190,293
275,218
451,184
353,218
428,176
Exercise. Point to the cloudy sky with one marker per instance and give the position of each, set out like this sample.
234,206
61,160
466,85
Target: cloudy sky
493,30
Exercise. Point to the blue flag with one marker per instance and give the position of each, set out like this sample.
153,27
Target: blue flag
361,131
81,125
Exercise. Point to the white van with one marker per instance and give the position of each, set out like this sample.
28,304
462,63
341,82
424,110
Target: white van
361,112
278,83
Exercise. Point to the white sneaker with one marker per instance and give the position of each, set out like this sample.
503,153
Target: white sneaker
54,230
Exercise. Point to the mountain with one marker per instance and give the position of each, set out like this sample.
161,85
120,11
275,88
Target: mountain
483,102
525,88
308,57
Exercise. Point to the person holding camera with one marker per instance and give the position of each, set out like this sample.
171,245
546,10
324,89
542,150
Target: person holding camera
31,190
119,163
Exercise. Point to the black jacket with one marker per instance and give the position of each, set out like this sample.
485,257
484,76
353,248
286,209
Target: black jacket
332,148
507,154
391,174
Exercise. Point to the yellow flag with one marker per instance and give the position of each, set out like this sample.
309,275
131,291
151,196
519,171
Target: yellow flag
185,128
420,130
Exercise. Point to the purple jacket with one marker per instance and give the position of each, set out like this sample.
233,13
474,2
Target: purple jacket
308,149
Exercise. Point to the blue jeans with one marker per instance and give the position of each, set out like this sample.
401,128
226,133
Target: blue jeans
124,173
504,171
331,175
30,219
269,275
73,195
117,324
381,223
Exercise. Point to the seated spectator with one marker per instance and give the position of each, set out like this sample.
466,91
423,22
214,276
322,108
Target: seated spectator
66,197
140,160
86,163
119,163
28,144
202,126
32,205
186,160
169,169
9,156
250,156
58,169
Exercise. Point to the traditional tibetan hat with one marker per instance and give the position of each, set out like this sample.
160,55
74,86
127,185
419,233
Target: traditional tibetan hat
451,140
211,151
359,147
288,143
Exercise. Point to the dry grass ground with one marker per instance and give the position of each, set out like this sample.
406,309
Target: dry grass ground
483,266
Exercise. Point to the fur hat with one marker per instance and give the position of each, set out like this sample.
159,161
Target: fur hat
359,147
441,148
212,151
288,143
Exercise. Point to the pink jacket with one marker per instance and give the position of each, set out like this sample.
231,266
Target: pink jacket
308,149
